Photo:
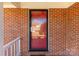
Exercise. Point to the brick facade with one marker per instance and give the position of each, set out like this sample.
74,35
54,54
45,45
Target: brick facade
15,24
72,30
11,24
63,30
57,26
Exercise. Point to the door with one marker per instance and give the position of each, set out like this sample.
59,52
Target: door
38,30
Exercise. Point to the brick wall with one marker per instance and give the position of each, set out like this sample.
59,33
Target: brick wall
72,37
75,5
69,40
63,30
24,31
57,31
11,24
15,24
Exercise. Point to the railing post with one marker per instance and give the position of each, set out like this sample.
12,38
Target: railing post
7,52
19,47
11,50
14,49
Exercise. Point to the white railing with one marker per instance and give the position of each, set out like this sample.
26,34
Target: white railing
12,48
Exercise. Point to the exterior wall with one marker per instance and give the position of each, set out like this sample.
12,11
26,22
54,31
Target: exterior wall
15,24
24,31
57,31
69,40
56,36
72,37
63,30
11,24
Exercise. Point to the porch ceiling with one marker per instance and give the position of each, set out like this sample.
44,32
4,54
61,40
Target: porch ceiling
37,5
8,5
46,4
